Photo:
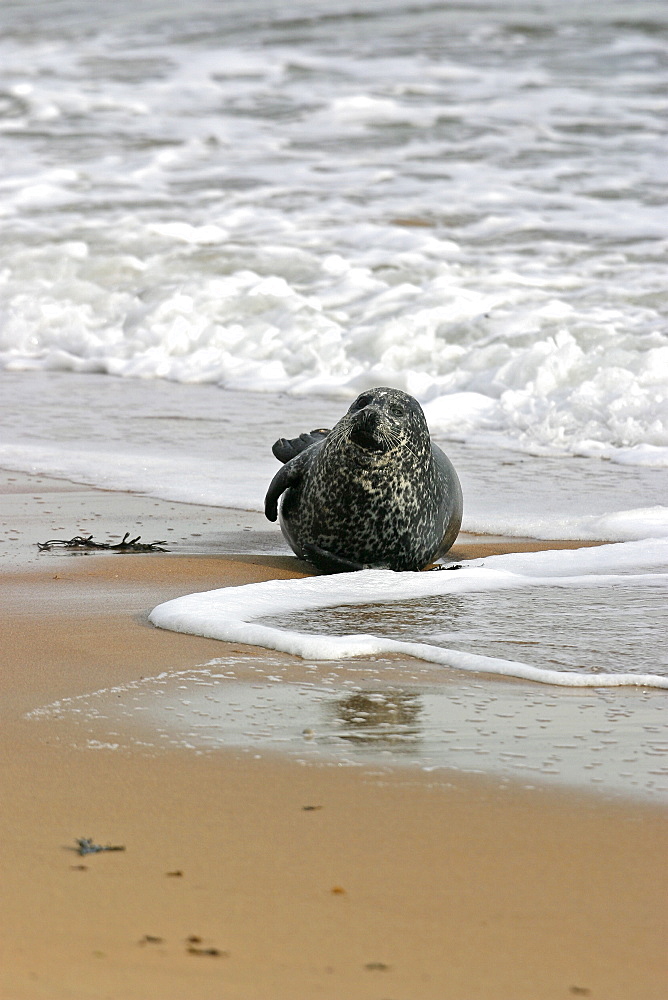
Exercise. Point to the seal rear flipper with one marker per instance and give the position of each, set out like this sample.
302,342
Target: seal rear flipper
329,562
287,448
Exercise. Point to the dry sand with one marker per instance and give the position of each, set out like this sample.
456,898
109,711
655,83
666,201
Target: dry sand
257,878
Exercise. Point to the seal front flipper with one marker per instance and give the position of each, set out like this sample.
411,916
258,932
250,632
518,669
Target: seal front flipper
286,448
289,475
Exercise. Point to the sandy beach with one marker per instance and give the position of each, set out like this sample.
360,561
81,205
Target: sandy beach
251,876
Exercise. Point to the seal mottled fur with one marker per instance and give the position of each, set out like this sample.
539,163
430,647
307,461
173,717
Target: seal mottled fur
372,492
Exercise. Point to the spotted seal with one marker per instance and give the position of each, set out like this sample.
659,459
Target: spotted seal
372,492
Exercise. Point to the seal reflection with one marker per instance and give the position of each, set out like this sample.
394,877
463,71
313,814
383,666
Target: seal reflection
380,718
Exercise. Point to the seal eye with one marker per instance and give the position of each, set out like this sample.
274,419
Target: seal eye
396,410
362,401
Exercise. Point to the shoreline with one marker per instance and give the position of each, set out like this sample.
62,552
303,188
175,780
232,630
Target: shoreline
363,882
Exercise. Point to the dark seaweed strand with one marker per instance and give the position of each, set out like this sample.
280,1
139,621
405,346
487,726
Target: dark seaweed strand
86,542
85,846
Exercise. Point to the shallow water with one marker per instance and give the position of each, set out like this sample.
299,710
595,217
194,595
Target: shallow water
201,444
385,714
604,628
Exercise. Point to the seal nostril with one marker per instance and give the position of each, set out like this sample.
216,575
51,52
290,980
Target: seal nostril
361,402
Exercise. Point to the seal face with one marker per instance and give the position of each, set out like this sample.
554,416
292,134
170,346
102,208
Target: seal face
372,492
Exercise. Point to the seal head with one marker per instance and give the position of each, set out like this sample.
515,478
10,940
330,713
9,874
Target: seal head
372,492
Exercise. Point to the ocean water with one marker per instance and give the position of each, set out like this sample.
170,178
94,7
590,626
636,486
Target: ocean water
466,201
221,221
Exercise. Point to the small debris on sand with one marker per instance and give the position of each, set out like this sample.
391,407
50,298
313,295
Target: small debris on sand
193,948
85,845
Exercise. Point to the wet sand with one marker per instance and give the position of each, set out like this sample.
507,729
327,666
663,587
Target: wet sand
249,876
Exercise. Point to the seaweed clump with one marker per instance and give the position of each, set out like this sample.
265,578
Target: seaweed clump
127,544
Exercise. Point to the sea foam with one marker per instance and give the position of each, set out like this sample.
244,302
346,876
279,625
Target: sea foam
261,205
232,614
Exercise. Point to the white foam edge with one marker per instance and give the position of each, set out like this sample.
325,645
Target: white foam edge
229,614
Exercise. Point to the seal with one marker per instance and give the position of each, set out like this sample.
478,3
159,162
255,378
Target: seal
373,492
